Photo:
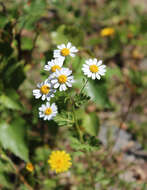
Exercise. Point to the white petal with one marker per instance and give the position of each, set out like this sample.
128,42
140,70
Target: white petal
38,96
95,61
64,87
101,72
43,97
85,66
39,85
72,55
63,46
48,104
98,76
56,85
68,45
99,62
89,74
93,76
36,91
60,46
68,72
68,84
47,67
48,98
53,81
101,68
73,49
61,88
53,106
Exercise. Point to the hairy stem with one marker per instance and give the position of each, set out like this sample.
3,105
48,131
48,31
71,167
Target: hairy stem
77,125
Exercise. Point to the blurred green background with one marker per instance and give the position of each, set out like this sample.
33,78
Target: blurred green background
29,32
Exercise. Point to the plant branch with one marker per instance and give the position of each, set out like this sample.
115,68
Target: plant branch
21,177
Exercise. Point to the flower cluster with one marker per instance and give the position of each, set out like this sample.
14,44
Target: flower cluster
60,78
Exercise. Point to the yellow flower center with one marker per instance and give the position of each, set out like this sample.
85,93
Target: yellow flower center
48,111
59,162
65,51
29,167
94,68
62,79
55,67
45,89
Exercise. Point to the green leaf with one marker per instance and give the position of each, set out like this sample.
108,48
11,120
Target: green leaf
5,181
64,119
41,154
12,137
115,71
91,123
78,146
12,101
5,166
31,14
27,43
12,73
80,99
67,33
98,92
49,183
23,187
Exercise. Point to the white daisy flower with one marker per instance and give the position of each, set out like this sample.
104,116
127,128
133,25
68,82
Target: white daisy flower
65,50
54,64
62,79
45,90
94,68
47,111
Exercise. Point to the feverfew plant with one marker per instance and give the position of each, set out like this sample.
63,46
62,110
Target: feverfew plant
61,79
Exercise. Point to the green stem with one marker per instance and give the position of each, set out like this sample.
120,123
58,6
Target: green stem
83,86
76,123
75,118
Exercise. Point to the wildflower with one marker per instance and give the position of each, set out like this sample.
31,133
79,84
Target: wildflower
46,90
65,50
29,167
54,64
47,111
59,161
107,32
62,79
94,68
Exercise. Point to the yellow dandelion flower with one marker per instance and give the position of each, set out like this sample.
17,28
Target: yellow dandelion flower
107,32
59,161
29,167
